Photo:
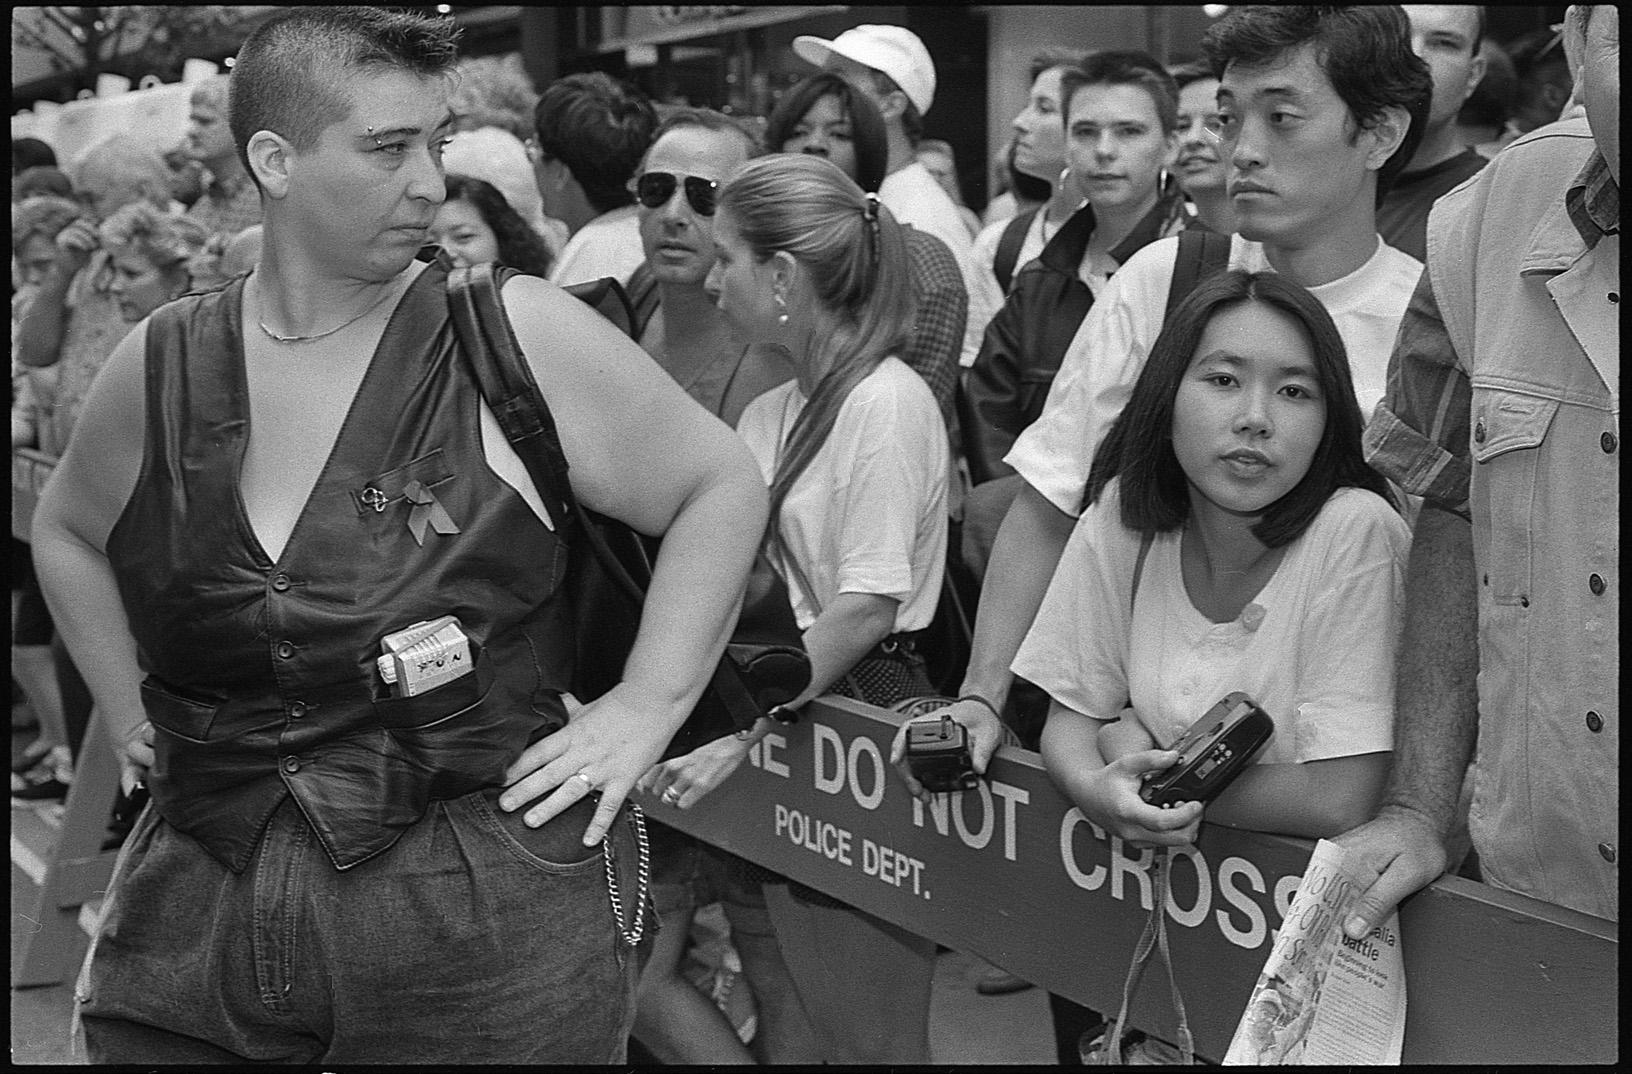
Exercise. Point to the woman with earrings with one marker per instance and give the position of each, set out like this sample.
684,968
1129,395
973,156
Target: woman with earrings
1120,117
857,466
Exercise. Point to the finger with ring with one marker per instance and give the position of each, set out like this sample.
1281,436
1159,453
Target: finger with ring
588,783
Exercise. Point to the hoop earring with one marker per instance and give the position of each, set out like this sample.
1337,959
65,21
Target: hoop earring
1065,177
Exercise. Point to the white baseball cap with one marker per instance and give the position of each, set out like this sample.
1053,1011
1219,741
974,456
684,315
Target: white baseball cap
895,50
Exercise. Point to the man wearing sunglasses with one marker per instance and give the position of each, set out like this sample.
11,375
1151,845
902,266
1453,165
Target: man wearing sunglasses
589,133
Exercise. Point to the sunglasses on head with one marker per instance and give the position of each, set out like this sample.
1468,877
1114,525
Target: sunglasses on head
654,189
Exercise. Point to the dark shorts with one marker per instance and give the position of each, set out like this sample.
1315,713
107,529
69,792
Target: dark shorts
473,940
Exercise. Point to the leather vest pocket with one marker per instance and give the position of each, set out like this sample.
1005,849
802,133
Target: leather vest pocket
438,704
180,716
1509,429
430,470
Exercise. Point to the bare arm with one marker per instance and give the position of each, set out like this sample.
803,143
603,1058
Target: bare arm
640,450
86,493
1436,719
1108,794
1315,799
39,337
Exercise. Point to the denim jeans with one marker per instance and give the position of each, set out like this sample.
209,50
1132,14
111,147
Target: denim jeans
473,940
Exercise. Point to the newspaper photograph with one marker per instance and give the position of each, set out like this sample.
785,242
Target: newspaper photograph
1323,998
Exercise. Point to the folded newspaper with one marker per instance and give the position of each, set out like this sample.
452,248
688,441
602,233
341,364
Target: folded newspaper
1324,998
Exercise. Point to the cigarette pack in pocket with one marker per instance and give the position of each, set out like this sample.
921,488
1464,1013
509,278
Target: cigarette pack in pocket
424,656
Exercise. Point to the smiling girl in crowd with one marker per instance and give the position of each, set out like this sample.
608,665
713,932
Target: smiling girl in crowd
1234,539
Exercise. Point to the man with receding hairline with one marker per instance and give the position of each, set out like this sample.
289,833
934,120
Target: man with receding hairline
273,480
230,201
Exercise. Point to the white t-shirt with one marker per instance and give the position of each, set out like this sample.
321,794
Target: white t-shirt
608,245
868,515
1102,363
914,197
1315,648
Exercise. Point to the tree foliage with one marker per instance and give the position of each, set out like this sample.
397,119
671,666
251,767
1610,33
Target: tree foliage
129,39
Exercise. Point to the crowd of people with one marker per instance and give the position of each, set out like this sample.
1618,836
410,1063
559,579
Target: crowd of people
1291,369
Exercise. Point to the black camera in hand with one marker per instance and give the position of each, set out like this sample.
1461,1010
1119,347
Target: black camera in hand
1216,748
938,756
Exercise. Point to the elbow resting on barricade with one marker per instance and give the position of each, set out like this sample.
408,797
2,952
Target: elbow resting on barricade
1012,872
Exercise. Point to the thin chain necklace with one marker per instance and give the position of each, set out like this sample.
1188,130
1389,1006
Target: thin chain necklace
274,337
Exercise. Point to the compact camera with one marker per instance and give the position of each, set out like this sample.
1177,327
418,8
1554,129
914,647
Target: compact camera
1217,748
938,755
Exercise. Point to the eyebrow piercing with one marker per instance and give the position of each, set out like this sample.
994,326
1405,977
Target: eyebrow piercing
378,144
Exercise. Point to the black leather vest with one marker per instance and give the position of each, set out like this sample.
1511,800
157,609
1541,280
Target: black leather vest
262,679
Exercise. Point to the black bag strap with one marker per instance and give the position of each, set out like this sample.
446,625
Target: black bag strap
1008,247
1201,253
507,384
642,294
1152,941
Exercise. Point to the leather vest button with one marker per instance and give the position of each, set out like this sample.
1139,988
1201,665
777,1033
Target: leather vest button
280,582
297,709
1608,443
1595,722
285,650
291,765
1607,852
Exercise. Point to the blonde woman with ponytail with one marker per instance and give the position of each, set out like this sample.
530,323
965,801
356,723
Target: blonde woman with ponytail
856,457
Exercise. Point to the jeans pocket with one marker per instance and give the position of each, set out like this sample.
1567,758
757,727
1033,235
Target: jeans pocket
556,848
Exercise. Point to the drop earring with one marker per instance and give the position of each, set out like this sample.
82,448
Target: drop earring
782,305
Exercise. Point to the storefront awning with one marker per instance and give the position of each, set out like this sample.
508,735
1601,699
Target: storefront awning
624,27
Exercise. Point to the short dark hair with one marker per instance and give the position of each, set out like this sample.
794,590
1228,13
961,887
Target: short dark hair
41,179
599,127
1139,448
1365,52
291,74
31,153
1194,71
1124,67
520,246
866,124
708,119
1050,58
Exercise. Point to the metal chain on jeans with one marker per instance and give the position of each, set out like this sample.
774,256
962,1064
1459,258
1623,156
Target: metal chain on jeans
643,875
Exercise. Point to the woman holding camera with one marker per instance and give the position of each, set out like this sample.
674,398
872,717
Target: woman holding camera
857,463
1235,539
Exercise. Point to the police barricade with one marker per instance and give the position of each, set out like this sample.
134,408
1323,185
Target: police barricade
1013,873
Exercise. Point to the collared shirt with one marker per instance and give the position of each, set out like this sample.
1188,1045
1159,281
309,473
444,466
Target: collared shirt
226,208
1503,405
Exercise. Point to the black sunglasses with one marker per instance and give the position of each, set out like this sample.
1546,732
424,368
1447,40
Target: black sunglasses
654,189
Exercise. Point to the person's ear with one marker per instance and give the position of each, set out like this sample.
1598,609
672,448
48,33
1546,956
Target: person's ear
893,105
784,272
269,158
1170,155
1476,75
1385,135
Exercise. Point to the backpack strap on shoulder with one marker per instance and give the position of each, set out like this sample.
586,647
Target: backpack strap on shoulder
1008,247
1201,253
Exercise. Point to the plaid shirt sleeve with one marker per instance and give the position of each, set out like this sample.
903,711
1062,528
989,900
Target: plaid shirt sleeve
943,308
1418,435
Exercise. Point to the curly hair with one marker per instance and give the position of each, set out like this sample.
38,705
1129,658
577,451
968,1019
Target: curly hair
42,215
1139,447
163,238
520,246
1365,52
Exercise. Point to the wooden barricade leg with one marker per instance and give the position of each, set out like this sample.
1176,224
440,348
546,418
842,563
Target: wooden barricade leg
77,868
